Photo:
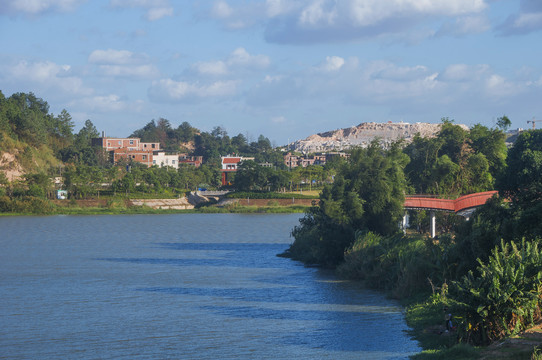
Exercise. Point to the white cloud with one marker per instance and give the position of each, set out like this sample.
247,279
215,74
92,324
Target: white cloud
464,73
221,10
316,21
155,9
168,90
522,23
35,7
123,63
154,14
499,87
234,18
319,13
465,25
278,119
280,7
369,12
117,57
135,71
240,57
44,76
332,63
211,68
102,104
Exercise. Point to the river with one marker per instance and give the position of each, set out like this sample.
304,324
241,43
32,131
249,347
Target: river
186,286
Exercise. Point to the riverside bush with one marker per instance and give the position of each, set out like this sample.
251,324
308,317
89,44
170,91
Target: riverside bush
505,295
401,264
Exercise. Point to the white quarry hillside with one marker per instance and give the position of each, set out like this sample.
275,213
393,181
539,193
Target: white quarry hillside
363,134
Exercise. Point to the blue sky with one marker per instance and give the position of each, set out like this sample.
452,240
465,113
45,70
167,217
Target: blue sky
282,68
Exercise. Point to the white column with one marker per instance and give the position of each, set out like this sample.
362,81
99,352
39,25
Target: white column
404,223
433,224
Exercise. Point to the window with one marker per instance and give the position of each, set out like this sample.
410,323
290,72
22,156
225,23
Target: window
173,161
108,143
120,142
153,146
131,142
154,162
144,157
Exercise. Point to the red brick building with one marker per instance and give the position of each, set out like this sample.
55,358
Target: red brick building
229,165
127,148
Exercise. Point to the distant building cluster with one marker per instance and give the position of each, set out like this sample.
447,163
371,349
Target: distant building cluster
293,161
149,154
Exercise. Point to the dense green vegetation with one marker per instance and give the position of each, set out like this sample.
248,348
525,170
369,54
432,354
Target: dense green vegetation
487,271
45,148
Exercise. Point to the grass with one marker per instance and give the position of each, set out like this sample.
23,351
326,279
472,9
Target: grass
458,351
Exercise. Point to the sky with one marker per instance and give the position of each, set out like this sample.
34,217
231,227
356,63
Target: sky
285,69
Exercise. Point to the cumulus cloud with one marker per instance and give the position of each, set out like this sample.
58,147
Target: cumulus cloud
36,7
211,68
464,73
278,119
102,104
465,25
522,23
221,10
393,87
317,21
43,76
117,57
240,57
234,18
238,60
332,63
168,90
123,63
155,9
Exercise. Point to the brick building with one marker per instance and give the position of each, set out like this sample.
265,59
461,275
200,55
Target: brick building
131,149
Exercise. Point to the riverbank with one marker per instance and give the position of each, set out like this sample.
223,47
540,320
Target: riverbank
427,323
132,206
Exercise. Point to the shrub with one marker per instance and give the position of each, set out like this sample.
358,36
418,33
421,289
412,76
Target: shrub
505,295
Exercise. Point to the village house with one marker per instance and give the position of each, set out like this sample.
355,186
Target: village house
195,161
160,159
127,149
292,161
230,165
140,156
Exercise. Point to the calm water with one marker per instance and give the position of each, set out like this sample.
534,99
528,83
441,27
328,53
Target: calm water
187,286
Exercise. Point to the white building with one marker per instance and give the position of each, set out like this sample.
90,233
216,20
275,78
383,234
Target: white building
161,159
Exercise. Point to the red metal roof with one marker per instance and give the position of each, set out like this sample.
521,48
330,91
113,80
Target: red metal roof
459,204
231,160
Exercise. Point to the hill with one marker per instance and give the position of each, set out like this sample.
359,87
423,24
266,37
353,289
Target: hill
363,134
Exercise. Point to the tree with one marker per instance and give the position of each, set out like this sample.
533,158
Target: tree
367,195
522,180
251,176
185,132
504,123
84,137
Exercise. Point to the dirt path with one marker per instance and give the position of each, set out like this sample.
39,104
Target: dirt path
517,347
